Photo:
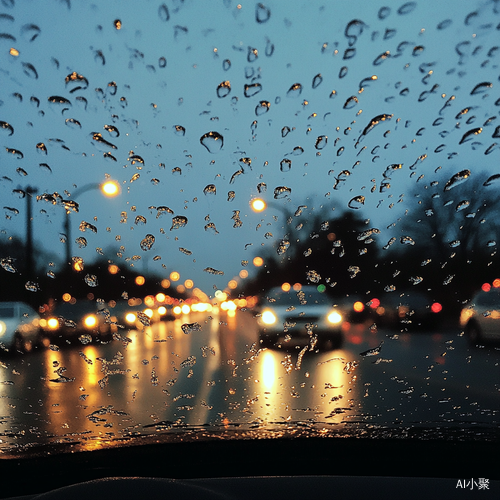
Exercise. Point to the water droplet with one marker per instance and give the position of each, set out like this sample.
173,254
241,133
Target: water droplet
269,51
188,328
100,142
444,24
384,12
72,123
389,288
354,29
59,101
7,127
31,286
313,276
252,54
457,179
84,226
415,280
454,243
231,195
135,177
147,242
210,189
407,8
333,94
470,134
317,80
407,240
29,70
491,243
285,131
372,352
343,71
462,205
480,88
351,102
281,192
381,58
262,107
7,263
213,141
356,202
321,142
211,270
30,32
223,89
262,13
295,90
178,221
283,246
493,180
112,130
91,280
18,154
179,130
140,220
252,89
353,271
163,13
285,165
75,82
81,242
143,318
375,121
162,62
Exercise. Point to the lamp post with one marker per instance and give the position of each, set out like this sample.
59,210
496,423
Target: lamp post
108,188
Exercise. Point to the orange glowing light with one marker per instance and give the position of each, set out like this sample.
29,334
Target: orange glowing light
358,306
174,276
189,284
180,288
165,283
66,297
486,287
113,269
160,297
258,261
286,287
140,280
243,274
232,284
297,287
374,303
496,283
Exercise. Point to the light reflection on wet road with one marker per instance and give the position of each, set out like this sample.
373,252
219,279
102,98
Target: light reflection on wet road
165,378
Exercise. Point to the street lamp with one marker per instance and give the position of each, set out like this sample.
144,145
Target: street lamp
109,188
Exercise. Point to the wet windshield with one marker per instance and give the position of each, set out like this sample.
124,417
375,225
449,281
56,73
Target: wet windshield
169,172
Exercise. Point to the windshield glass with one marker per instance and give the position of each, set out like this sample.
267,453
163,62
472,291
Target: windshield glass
169,171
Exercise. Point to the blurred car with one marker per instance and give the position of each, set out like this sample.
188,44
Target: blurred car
70,320
481,319
135,314
408,310
354,308
19,326
300,315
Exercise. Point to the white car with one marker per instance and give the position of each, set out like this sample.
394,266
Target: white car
481,319
19,326
297,315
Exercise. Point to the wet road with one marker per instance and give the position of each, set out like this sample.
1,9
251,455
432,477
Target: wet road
164,378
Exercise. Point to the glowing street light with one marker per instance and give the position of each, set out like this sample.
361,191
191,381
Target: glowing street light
109,189
258,205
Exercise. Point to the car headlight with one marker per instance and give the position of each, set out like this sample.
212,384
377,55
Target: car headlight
3,328
130,317
53,323
268,318
334,317
90,321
